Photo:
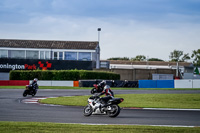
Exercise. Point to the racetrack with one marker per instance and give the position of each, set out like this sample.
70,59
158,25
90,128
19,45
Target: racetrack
12,109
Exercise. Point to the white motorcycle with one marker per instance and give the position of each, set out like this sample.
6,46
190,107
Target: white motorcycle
94,106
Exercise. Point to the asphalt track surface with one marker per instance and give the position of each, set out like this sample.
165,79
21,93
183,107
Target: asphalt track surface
12,109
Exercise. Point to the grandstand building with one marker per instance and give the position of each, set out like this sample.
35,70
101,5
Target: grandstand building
48,55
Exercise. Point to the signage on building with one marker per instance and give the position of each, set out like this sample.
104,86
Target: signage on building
28,64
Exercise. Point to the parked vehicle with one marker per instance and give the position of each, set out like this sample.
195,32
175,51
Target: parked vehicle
94,106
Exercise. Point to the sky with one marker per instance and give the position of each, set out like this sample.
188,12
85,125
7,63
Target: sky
152,28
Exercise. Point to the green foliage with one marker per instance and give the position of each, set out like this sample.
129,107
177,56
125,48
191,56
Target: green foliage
61,75
178,55
154,59
175,55
119,58
196,56
139,58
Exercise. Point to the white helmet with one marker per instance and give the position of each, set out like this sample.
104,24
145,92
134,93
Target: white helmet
35,79
106,87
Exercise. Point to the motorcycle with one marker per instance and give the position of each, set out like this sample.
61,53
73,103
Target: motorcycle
94,106
96,89
30,91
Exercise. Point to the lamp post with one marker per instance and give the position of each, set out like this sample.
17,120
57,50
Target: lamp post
98,50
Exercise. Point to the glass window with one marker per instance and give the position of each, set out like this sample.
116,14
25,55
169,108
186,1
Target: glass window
41,54
32,54
19,54
70,55
3,53
47,55
55,55
60,55
84,56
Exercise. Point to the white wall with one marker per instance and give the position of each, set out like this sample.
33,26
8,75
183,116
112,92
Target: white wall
54,83
183,83
196,83
62,83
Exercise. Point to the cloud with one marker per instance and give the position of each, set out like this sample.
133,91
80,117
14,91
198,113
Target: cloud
128,29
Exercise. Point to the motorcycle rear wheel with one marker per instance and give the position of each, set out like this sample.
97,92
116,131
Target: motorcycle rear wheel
114,112
87,110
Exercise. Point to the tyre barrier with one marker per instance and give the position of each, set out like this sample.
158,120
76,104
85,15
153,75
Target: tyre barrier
111,83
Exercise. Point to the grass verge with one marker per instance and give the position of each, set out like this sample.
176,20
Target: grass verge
66,87
185,101
44,127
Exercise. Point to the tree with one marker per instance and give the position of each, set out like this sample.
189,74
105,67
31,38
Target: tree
185,57
177,55
118,58
196,56
139,58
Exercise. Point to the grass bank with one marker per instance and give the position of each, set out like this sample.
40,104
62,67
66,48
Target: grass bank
186,101
43,127
66,87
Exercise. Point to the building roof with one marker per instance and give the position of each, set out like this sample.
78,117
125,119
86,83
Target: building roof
48,44
157,63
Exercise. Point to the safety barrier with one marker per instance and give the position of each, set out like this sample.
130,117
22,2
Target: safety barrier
118,83
40,83
165,83
169,83
14,82
111,83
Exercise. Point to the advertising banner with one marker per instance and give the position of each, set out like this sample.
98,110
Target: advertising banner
32,64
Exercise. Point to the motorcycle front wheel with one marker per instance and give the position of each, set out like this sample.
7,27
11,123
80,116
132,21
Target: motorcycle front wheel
25,93
114,112
87,110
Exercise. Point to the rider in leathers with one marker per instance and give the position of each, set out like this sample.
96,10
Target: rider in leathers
108,95
33,86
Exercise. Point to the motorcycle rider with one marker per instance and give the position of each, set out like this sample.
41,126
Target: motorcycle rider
108,95
99,88
101,85
33,86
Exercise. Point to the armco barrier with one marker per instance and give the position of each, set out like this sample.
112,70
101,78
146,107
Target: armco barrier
183,83
165,83
147,83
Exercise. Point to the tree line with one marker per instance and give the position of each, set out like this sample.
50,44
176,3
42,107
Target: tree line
175,56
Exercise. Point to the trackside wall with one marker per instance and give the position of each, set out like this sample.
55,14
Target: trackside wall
141,83
40,83
169,83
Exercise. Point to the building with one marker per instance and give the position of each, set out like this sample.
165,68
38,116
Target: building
48,55
145,70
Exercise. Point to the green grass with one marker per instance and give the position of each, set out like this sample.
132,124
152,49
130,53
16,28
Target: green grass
186,101
44,127
66,87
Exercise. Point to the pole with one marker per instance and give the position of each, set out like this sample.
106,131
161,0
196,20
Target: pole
98,50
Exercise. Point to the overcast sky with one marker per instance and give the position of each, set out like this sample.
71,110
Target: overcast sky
153,28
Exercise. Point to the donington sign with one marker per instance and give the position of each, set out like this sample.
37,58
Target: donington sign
11,66
25,66
30,64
